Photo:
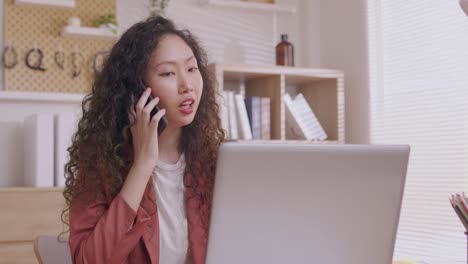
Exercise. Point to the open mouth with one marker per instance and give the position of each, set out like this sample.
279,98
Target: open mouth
187,106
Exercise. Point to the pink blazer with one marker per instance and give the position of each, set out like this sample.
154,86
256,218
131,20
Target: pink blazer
111,232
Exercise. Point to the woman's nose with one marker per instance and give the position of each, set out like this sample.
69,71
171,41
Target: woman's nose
184,84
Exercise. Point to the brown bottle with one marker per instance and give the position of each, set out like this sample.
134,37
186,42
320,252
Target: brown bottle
284,52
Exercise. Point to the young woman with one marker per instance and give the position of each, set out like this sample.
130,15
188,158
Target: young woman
134,196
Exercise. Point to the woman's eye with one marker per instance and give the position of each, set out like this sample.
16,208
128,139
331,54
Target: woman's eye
166,74
193,69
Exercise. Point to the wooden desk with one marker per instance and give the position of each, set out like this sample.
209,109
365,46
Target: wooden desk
24,214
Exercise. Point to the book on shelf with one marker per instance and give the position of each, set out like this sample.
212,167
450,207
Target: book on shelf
301,122
233,130
459,204
224,112
39,150
253,106
245,118
243,124
265,117
65,125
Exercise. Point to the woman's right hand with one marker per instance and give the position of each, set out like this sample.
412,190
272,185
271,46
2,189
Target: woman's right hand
145,131
146,149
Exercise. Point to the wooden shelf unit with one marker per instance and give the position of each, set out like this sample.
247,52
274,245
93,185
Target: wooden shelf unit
322,88
245,5
26,213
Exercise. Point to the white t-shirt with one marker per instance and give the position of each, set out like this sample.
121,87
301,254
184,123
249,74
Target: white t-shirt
173,233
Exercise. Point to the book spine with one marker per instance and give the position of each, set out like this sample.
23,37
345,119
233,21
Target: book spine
253,112
232,115
223,109
65,126
308,121
293,130
265,117
243,119
39,150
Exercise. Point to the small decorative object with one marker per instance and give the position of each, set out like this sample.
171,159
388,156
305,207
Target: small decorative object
284,52
59,57
9,57
31,55
107,21
459,203
98,60
77,61
158,7
74,22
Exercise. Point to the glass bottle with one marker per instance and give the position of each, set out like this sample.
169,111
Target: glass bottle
284,52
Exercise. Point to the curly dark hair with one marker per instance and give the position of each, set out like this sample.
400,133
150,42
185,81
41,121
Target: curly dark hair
99,154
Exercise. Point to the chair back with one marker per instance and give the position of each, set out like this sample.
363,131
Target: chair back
49,250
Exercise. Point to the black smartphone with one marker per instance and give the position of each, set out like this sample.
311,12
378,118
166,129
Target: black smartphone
163,122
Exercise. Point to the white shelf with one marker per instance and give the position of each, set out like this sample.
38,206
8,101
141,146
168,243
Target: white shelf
17,96
47,3
88,32
250,5
282,141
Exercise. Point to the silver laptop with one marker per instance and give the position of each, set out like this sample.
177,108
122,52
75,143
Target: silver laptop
306,203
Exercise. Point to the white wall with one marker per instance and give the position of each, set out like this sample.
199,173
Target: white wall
231,36
343,45
310,14
228,35
325,33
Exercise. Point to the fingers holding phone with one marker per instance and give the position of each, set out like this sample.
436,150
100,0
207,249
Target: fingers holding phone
144,130
154,115
157,121
151,108
161,122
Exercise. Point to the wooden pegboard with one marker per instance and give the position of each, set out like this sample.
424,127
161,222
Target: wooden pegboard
26,25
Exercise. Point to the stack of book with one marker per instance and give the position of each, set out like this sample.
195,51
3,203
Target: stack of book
258,113
301,122
460,205
250,118
46,139
246,118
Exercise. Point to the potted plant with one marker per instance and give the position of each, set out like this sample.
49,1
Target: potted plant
158,7
107,21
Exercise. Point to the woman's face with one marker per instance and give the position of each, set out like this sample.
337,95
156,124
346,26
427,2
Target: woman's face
172,74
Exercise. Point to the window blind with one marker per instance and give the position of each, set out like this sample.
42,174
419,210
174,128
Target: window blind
418,63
